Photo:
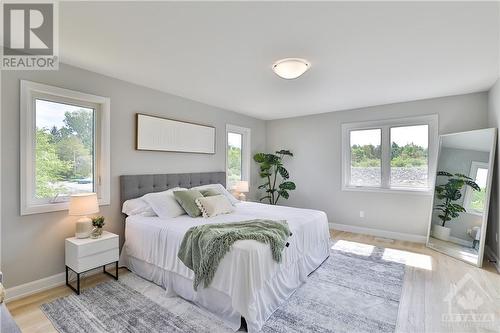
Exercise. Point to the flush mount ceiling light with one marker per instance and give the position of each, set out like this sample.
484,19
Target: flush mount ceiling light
290,68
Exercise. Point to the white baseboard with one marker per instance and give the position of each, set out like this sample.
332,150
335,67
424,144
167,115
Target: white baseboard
492,256
378,232
30,288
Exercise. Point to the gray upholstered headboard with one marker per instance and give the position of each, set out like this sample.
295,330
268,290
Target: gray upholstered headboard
134,186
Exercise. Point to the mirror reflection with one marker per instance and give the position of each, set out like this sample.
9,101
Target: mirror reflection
460,207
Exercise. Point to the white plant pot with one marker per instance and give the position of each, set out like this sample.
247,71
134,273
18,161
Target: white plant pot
440,232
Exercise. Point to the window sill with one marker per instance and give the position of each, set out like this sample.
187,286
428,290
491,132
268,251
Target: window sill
394,190
52,207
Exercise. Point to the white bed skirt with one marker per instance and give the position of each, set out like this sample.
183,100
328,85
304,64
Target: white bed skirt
267,300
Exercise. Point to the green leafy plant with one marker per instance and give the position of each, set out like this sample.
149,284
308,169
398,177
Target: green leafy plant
450,192
271,169
98,221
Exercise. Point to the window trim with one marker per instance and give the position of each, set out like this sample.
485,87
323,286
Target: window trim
29,91
385,126
474,166
245,151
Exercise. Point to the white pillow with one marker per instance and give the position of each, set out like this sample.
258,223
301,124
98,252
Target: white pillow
214,205
164,203
137,207
219,188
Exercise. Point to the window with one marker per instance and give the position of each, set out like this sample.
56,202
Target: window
64,147
234,157
395,154
410,156
366,157
237,154
474,201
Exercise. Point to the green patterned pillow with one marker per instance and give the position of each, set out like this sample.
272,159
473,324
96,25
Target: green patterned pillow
187,201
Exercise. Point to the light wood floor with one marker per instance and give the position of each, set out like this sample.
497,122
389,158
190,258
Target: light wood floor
428,277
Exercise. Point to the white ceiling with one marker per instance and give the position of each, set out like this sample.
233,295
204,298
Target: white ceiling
221,53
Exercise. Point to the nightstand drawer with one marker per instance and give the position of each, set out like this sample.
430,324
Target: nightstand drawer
101,245
95,260
78,248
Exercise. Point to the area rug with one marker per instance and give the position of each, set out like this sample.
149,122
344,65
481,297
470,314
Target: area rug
357,289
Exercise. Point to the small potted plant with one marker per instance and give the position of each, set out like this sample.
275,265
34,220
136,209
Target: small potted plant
97,223
448,194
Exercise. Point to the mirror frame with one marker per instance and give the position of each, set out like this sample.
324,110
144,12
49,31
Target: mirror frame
489,182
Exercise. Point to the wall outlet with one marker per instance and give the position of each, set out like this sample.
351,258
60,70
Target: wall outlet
362,214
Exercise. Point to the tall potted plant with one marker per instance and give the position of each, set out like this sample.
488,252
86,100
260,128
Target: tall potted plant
271,169
449,193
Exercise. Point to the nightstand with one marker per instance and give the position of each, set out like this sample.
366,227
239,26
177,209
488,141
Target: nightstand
85,254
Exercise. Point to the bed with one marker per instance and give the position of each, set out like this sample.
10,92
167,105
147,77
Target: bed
248,282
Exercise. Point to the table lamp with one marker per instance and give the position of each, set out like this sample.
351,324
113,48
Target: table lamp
241,187
82,205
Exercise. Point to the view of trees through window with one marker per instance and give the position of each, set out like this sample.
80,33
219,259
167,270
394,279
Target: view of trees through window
409,156
478,197
366,157
64,149
234,158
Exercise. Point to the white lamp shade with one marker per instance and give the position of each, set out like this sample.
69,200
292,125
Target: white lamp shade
290,68
241,186
83,204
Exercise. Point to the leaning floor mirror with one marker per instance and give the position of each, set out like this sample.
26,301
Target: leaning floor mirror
462,193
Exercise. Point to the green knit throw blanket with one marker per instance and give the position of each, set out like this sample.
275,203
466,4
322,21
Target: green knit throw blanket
204,246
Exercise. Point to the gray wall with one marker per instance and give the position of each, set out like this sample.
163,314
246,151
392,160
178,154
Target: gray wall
316,166
492,235
459,161
33,245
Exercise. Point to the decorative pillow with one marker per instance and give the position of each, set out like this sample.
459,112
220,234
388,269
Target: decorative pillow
137,207
214,205
209,192
187,200
164,203
219,188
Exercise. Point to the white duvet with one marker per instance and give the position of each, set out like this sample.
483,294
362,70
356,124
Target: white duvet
248,282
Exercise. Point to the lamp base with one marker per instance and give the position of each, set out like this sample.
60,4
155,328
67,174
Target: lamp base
83,227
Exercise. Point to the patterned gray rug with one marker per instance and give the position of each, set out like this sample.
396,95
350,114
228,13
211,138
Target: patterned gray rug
357,289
